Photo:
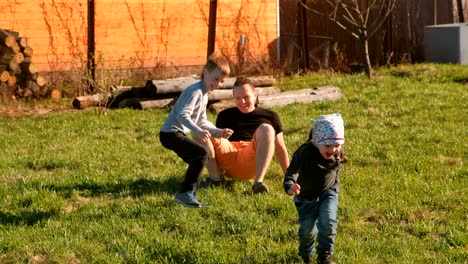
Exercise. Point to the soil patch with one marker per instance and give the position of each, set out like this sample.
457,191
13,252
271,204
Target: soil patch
18,111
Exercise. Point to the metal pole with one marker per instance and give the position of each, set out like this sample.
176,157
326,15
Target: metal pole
435,11
91,65
212,27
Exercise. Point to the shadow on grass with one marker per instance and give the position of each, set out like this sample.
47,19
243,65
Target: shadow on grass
25,217
462,80
304,131
135,188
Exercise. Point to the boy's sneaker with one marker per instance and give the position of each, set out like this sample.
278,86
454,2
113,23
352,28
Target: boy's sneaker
212,182
325,258
260,187
187,199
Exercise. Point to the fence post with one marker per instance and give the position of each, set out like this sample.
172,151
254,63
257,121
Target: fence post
461,18
91,65
212,27
305,36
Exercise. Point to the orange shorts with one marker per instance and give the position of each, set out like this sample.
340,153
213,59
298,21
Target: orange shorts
236,158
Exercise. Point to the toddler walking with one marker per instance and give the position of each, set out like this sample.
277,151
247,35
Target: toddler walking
313,177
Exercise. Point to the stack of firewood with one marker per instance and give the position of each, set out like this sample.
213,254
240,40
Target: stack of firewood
18,75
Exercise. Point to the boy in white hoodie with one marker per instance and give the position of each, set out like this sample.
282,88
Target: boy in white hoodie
189,115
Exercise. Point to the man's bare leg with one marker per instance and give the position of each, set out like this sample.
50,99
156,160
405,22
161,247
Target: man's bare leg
265,138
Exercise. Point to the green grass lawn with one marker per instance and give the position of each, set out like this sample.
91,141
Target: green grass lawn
84,187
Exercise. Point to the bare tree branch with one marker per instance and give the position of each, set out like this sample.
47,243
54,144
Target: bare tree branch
360,18
309,9
349,16
385,11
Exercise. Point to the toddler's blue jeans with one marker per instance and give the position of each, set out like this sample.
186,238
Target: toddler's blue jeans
317,219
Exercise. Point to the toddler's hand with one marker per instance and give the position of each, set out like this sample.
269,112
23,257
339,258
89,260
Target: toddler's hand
295,190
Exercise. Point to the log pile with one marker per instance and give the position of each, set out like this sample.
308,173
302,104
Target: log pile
18,75
308,95
163,93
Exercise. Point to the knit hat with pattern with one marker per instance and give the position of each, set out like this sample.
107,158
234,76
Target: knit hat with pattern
328,129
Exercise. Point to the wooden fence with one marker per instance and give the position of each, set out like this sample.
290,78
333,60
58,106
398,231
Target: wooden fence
400,39
140,34
174,33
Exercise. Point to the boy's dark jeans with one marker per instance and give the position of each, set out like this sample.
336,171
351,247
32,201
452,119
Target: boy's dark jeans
191,152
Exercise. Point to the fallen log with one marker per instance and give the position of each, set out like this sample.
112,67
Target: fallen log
11,81
144,103
19,57
27,51
120,93
28,68
226,94
4,76
6,56
14,67
221,105
22,42
7,38
27,92
329,93
120,89
171,86
33,86
286,98
82,102
258,81
155,90
177,85
44,90
112,99
216,95
3,89
40,80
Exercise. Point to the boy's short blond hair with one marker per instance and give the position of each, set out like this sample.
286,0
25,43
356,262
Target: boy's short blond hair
218,62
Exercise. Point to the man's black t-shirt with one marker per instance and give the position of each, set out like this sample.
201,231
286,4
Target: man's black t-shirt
245,124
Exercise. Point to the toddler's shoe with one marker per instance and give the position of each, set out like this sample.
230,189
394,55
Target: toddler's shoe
260,187
325,258
187,199
306,259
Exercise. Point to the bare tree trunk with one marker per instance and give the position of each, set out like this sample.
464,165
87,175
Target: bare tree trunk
361,19
365,53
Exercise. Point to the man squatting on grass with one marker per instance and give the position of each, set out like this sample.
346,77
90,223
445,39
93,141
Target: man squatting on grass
313,177
189,115
257,136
